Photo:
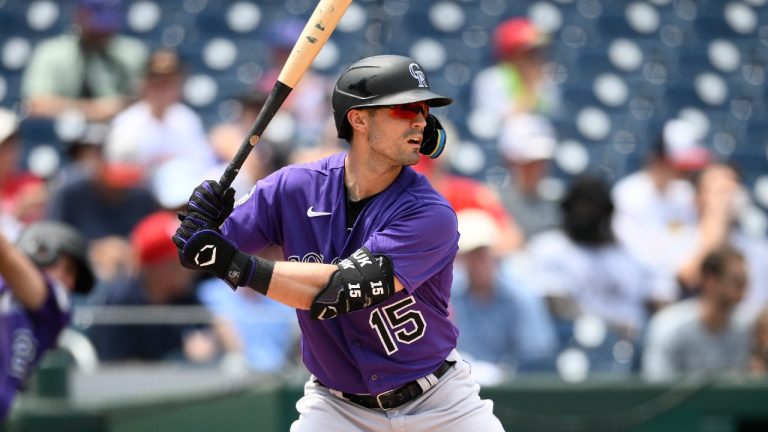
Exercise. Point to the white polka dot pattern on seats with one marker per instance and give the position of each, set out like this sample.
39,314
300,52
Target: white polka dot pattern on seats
625,54
243,17
200,90
143,16
219,53
42,15
573,36
593,123
589,9
572,365
446,16
697,119
724,55
328,56
572,157
610,89
642,17
685,9
69,125
740,17
281,129
429,53
551,189
468,158
43,161
711,88
546,16
761,187
484,125
16,52
353,19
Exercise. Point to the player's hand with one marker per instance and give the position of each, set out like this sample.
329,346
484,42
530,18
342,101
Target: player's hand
211,201
206,249
191,223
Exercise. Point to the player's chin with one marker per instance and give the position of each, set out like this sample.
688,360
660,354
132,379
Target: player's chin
410,158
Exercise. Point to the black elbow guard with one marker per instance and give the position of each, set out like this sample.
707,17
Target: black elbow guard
362,280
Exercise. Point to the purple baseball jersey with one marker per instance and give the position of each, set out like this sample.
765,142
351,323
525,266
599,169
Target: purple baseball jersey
25,336
302,209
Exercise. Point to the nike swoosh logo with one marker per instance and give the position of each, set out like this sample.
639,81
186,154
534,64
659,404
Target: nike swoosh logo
311,213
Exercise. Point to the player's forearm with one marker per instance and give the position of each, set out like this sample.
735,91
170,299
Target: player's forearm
296,284
22,276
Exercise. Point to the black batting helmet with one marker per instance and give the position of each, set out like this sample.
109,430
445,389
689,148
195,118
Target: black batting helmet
380,81
45,242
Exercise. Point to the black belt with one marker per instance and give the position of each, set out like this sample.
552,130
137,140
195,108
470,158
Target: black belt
399,396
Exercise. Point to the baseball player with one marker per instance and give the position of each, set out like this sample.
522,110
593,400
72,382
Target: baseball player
369,248
34,304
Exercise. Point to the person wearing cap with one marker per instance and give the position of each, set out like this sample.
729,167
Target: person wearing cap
368,249
37,277
516,83
655,205
502,321
527,145
159,126
157,280
94,70
23,196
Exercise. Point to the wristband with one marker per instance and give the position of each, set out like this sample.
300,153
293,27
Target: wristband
260,275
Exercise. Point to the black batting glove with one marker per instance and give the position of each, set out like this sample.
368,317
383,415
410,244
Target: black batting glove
207,250
191,223
213,202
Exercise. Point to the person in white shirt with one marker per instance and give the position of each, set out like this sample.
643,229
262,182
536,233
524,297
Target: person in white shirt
581,269
159,127
656,205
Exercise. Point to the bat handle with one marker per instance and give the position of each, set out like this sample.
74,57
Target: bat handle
273,103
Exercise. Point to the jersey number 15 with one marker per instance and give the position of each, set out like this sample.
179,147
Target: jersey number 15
408,326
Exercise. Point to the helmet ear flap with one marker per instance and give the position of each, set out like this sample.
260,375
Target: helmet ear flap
433,140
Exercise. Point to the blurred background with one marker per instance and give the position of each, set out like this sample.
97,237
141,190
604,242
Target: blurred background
608,162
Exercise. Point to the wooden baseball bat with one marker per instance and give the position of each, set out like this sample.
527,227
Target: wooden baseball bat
317,31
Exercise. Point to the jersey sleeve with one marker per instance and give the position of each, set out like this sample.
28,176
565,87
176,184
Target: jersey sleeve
255,221
420,243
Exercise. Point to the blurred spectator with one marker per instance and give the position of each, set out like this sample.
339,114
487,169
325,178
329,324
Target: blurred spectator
37,277
527,145
758,364
501,320
94,70
253,328
720,200
226,139
23,196
159,280
84,156
702,334
582,270
105,208
308,103
655,205
159,127
517,83
466,193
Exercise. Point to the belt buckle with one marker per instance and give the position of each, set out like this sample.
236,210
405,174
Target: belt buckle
378,398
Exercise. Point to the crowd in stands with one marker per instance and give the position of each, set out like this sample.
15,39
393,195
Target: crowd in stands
649,274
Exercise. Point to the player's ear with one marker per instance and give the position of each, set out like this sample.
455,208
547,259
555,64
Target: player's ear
358,120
